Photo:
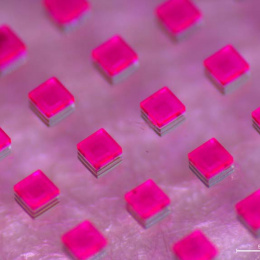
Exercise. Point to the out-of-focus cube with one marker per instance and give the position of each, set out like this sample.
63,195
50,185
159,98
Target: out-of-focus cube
85,242
162,111
227,69
179,17
147,203
211,162
256,119
99,152
116,59
12,50
51,102
5,144
36,193
195,246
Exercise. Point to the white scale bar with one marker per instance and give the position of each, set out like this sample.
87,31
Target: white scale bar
247,250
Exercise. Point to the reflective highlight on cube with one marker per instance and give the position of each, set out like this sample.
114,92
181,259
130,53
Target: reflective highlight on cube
162,111
195,246
36,193
227,69
100,153
147,203
211,162
84,242
115,59
51,102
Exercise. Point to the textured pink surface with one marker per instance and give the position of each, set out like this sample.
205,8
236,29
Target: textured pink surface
146,155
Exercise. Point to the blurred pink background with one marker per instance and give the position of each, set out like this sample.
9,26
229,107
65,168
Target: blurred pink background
116,108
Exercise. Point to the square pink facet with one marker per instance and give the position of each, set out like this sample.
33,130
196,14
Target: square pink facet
5,140
114,56
162,107
195,246
99,149
210,158
36,190
11,47
51,97
249,210
66,11
226,65
178,15
84,241
256,115
147,199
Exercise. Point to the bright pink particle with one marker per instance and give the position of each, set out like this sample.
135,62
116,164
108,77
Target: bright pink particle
5,140
114,56
99,148
51,97
11,47
162,107
249,210
195,246
147,199
84,241
256,115
226,65
210,158
178,15
36,190
66,11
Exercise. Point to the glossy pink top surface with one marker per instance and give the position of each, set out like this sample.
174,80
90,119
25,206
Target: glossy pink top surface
162,107
178,15
11,47
256,115
36,190
99,148
84,241
226,65
210,158
51,97
114,55
66,11
5,140
195,246
147,199
249,210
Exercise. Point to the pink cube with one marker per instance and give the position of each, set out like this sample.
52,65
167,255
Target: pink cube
5,144
248,211
116,59
100,153
227,69
256,119
179,16
195,246
162,111
211,162
147,203
36,193
51,102
67,13
84,242
12,51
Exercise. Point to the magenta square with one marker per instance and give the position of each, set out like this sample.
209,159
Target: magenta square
210,158
226,65
248,210
146,201
66,11
5,140
162,107
195,246
12,48
84,241
51,97
178,15
114,56
99,149
36,191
